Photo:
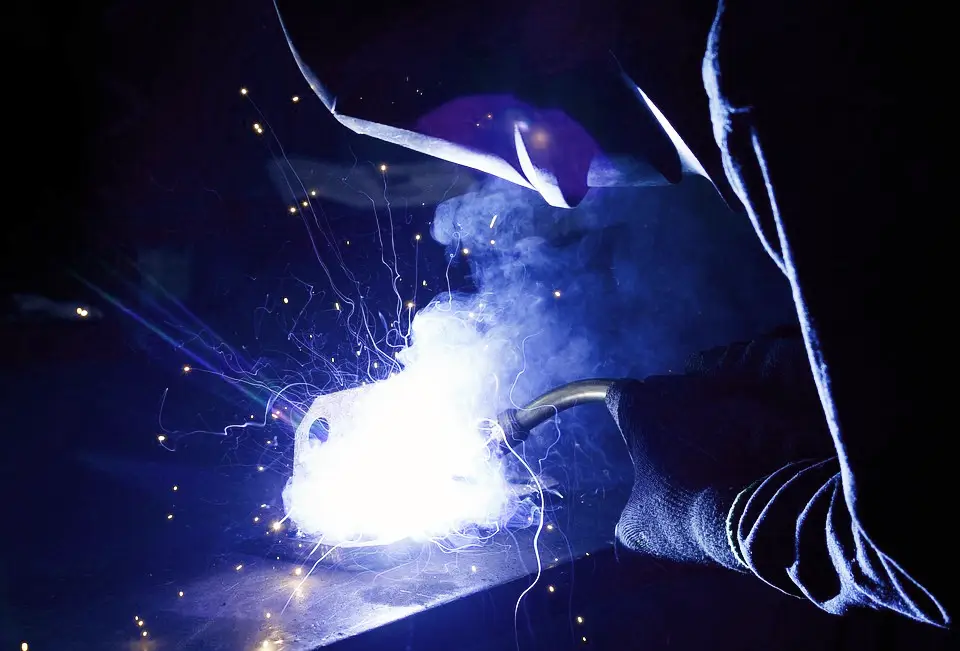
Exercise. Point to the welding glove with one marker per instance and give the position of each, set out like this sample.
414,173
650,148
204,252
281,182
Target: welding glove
696,440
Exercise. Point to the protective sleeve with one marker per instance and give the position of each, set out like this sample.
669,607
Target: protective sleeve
808,110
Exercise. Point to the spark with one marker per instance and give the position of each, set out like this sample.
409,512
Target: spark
413,459
406,457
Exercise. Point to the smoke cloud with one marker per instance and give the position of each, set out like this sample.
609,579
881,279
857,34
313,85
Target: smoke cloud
630,283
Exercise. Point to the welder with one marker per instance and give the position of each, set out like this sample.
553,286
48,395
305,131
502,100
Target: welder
807,107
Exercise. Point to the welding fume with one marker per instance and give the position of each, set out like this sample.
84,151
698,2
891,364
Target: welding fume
786,456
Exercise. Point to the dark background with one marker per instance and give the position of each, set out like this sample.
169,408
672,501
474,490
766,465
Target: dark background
125,131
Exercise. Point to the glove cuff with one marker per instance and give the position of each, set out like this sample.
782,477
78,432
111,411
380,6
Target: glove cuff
733,519
710,524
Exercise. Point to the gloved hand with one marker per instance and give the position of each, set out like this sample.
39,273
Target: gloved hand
696,440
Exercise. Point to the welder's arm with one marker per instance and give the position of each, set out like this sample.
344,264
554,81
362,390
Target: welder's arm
817,144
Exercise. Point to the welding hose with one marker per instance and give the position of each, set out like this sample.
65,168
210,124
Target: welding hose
518,423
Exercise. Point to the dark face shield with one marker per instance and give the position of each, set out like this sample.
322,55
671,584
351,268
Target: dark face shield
540,94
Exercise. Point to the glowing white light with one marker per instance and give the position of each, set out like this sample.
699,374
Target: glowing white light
405,458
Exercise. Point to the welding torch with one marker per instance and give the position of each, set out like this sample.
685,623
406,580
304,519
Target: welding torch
518,423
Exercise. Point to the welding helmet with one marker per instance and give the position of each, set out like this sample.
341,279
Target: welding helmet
554,96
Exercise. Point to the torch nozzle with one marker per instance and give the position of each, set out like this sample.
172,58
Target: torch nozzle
518,423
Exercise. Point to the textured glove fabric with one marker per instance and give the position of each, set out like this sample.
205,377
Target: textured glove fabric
697,440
